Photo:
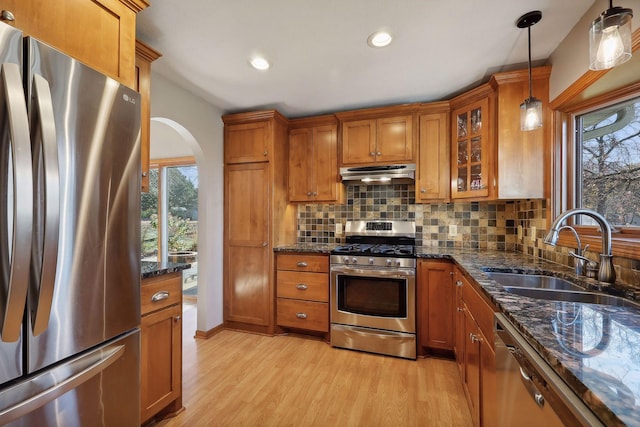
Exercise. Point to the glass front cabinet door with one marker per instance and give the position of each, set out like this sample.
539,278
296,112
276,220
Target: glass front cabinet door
470,166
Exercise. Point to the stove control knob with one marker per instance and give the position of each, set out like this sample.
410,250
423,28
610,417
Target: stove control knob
398,262
354,260
346,260
388,262
371,261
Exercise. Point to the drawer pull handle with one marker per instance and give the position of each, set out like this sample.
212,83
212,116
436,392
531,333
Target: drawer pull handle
7,15
301,264
159,296
301,286
301,315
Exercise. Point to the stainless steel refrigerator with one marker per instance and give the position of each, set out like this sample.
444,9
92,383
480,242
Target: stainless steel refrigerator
69,241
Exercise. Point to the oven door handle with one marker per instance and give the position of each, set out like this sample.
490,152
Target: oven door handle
373,273
369,332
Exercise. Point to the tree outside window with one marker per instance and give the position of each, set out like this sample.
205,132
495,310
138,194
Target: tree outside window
609,153
182,211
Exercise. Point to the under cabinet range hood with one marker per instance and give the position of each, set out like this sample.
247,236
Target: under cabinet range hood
383,174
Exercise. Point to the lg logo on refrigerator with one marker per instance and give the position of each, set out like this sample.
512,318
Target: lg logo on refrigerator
128,99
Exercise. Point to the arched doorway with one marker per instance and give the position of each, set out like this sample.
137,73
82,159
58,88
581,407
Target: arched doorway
175,140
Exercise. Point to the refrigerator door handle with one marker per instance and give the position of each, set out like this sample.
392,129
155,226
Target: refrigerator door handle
47,183
30,395
15,244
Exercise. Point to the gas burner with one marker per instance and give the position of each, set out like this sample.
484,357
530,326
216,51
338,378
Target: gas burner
354,248
393,239
375,250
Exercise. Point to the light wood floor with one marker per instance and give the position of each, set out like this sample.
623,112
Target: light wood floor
241,379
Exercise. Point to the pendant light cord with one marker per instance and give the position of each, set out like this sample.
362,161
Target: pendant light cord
530,90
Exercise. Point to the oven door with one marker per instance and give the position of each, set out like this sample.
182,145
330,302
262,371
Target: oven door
373,298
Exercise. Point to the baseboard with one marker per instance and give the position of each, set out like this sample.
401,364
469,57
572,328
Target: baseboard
208,334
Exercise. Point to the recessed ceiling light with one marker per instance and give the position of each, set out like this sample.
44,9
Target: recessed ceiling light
379,39
259,63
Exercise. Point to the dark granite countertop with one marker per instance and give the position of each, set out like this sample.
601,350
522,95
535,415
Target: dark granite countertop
594,348
153,269
600,360
317,248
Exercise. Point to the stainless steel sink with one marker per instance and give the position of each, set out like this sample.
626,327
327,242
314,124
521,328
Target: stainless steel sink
573,296
532,281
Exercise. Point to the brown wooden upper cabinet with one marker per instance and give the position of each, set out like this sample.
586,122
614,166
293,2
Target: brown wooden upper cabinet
432,171
491,158
470,151
145,55
99,33
313,160
377,136
248,142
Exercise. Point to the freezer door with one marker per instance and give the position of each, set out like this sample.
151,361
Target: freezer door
12,302
96,289
96,389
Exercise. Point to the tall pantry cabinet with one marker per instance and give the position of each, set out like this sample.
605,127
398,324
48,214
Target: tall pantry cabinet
257,216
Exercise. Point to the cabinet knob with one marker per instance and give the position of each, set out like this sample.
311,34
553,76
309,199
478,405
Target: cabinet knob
423,190
177,318
301,286
7,15
372,154
308,193
460,309
302,264
144,174
264,244
301,315
378,153
315,193
474,338
264,154
458,282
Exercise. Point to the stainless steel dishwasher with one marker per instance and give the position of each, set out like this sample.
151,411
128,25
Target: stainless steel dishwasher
529,392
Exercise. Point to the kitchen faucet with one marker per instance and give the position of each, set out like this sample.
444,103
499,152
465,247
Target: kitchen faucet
606,272
580,259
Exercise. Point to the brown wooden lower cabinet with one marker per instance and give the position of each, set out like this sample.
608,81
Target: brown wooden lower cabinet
302,285
436,299
161,350
474,349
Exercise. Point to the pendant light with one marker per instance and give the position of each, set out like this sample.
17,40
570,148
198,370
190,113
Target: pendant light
610,38
531,108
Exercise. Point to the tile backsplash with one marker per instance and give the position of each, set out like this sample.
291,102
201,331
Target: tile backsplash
478,225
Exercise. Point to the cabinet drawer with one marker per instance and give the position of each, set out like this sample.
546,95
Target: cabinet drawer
305,286
480,309
313,316
161,292
303,262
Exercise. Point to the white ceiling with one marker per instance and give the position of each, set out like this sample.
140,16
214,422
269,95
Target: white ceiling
321,62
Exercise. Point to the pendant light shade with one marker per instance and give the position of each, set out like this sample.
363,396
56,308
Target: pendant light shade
610,38
531,114
531,108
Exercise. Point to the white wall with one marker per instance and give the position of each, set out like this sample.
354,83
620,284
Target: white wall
198,121
570,60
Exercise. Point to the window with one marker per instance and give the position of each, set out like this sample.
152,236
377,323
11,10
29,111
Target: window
608,163
169,214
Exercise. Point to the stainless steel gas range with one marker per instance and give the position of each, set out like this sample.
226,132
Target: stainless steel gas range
373,288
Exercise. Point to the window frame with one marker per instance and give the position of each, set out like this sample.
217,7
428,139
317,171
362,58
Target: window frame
625,240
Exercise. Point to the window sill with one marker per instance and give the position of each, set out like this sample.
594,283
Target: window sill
625,244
